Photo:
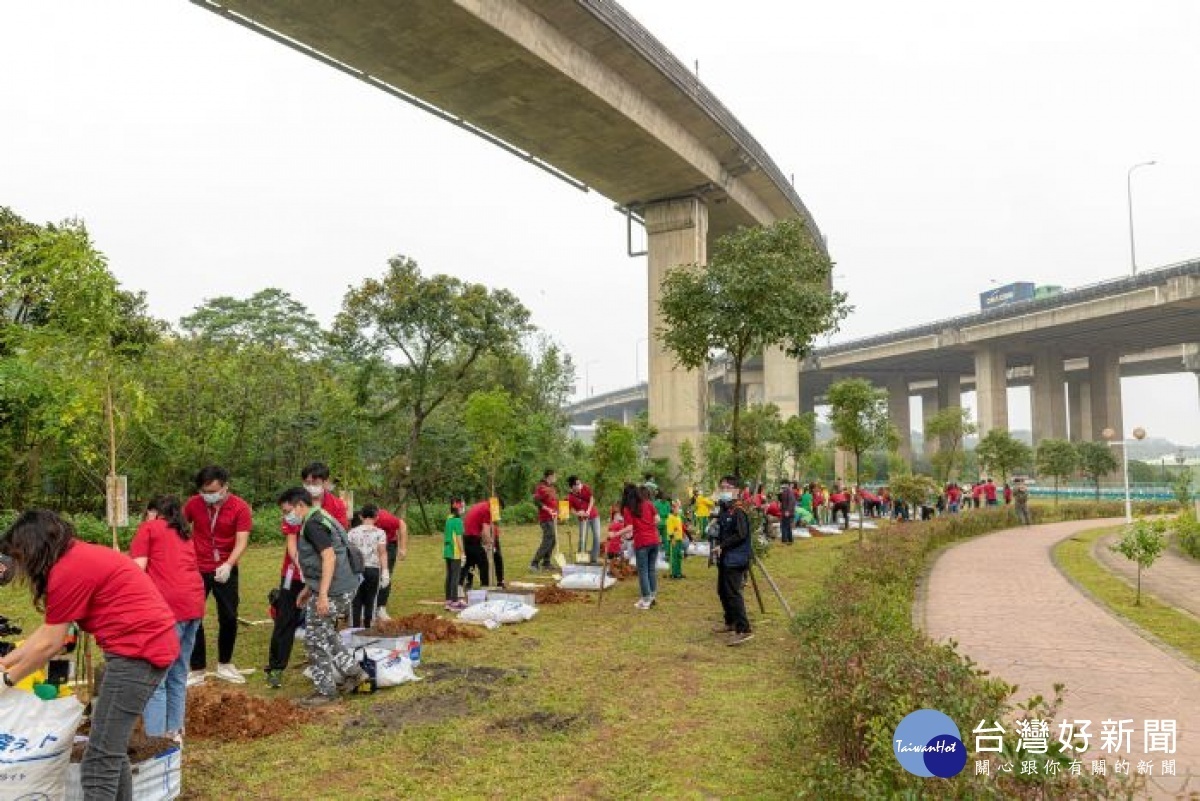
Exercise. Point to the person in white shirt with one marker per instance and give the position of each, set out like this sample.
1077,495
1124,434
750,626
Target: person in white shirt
371,542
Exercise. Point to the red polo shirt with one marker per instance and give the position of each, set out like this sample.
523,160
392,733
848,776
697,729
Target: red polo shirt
579,501
215,528
545,496
645,530
478,516
390,525
113,600
171,565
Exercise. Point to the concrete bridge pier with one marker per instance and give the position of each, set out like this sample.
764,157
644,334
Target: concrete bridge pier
1104,378
676,234
1049,404
991,388
1079,409
898,412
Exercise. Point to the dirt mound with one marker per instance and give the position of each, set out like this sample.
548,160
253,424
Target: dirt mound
140,748
432,628
218,713
621,568
554,595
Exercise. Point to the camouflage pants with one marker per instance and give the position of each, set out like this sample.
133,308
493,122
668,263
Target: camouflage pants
331,662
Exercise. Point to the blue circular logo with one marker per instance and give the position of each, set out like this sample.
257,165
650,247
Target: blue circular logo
927,743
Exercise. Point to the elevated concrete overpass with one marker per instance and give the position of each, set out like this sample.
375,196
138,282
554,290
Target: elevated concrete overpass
581,89
1072,349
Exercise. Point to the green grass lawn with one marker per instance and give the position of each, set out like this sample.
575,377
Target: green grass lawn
1175,628
607,702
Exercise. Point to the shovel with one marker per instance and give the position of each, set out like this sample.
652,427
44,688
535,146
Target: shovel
603,578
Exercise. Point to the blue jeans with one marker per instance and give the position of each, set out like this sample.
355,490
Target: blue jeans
164,710
594,525
647,567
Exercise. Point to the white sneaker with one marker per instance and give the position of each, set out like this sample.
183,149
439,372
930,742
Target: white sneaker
381,614
642,603
195,678
228,672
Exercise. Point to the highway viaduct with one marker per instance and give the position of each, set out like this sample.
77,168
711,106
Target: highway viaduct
1071,349
578,88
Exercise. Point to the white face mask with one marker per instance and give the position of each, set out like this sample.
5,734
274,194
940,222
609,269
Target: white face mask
315,490
292,519
725,496
212,498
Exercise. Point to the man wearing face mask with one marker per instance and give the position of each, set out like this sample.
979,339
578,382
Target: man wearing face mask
315,478
221,523
732,554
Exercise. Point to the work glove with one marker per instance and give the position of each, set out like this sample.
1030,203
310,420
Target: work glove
222,573
385,579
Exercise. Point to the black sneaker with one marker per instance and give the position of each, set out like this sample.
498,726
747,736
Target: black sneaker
274,679
740,637
534,568
318,700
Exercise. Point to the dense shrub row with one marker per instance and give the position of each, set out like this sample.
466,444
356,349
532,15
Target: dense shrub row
865,667
1187,533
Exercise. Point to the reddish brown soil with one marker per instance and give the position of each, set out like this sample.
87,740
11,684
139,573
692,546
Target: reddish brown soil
223,714
621,569
554,595
432,628
140,749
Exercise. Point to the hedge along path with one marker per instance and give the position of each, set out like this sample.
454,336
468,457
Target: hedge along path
1001,598
1173,579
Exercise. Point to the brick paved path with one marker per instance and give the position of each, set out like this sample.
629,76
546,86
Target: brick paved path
1011,611
1173,579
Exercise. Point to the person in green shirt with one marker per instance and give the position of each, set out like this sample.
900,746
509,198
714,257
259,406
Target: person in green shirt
452,552
662,508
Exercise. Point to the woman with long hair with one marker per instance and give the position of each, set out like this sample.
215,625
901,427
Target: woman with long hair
106,594
641,525
162,547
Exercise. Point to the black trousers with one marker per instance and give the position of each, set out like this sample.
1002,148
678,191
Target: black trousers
842,509
546,549
226,596
498,558
393,548
730,583
362,608
476,559
452,568
785,526
287,620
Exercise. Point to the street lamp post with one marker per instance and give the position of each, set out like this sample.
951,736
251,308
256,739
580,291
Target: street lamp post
1129,197
637,360
587,377
1110,435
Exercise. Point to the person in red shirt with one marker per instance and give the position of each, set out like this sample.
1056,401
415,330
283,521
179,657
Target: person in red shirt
977,494
221,523
546,499
1008,493
583,506
840,501
481,534
989,492
396,531
288,613
612,547
161,547
106,595
641,525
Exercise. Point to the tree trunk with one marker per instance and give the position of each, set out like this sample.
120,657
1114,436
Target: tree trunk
857,484
1096,481
737,410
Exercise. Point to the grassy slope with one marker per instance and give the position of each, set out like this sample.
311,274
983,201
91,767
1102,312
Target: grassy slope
1177,629
653,697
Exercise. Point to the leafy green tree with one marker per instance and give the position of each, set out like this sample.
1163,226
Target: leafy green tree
269,318
949,427
1142,542
1002,454
437,329
687,463
491,420
1058,459
760,427
1096,460
763,287
798,437
1181,488
859,417
614,457
913,489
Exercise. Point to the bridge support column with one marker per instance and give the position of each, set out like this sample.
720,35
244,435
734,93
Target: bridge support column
946,394
1191,360
781,382
1104,376
991,389
1079,405
1049,408
898,413
676,233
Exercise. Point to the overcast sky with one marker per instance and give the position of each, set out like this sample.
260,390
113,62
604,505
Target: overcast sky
941,146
